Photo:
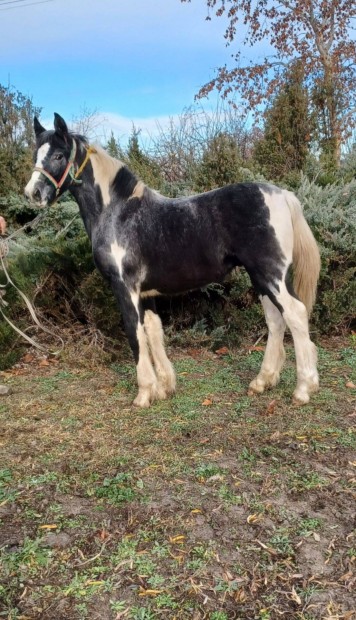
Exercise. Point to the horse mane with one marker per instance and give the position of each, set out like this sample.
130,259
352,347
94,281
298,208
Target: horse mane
113,175
103,159
45,137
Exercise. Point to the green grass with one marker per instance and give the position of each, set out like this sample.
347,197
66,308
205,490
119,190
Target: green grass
200,506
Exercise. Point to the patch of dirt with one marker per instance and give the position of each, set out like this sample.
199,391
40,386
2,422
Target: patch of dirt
211,502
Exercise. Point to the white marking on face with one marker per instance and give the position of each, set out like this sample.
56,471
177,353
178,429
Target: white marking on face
41,156
118,253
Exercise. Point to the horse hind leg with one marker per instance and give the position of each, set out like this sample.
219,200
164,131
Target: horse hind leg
163,367
294,313
296,316
275,354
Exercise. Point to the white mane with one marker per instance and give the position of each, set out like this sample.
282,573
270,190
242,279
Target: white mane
105,169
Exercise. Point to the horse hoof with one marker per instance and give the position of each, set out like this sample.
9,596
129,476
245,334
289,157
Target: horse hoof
255,388
142,400
167,383
300,398
161,393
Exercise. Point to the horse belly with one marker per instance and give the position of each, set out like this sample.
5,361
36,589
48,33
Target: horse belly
169,279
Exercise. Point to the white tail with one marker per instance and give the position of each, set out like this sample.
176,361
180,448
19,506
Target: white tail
306,256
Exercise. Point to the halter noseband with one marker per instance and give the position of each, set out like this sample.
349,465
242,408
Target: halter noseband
69,171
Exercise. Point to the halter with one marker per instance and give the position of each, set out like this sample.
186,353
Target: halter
69,171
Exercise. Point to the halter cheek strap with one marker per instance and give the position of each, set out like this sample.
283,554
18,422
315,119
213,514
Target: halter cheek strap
69,171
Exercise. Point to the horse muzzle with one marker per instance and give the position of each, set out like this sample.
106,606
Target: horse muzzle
39,193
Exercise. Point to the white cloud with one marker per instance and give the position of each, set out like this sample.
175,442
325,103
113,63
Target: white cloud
122,126
104,123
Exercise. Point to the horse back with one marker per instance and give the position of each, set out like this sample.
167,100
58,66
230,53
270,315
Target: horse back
185,243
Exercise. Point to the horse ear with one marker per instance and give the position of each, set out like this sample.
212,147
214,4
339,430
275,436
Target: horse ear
60,126
37,127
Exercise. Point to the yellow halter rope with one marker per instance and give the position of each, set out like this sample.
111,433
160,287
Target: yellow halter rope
90,150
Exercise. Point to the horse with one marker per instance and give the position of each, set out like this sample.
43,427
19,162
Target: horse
145,245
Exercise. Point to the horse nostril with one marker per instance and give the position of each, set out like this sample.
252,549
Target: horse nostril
37,195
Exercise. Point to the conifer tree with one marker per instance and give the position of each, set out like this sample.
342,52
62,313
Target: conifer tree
220,164
113,147
145,166
319,33
283,150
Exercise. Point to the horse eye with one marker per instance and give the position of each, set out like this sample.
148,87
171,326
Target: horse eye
58,156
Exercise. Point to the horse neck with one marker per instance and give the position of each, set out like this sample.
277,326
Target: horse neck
99,173
89,206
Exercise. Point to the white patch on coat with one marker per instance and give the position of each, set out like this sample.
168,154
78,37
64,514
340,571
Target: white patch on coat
280,219
105,169
296,316
36,175
163,367
118,253
135,300
152,293
294,313
146,376
138,191
274,355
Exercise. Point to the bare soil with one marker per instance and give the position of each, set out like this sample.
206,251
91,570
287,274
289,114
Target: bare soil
210,505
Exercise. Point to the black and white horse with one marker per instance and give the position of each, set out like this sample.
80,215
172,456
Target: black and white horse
147,245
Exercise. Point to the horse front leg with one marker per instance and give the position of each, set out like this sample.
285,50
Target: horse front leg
163,367
133,317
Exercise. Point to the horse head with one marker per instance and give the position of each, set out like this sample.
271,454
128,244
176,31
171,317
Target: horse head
55,166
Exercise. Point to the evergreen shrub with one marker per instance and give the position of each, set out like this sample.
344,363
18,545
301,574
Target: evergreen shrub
331,213
53,264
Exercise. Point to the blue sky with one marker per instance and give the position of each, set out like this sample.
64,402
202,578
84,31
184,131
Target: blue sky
134,61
